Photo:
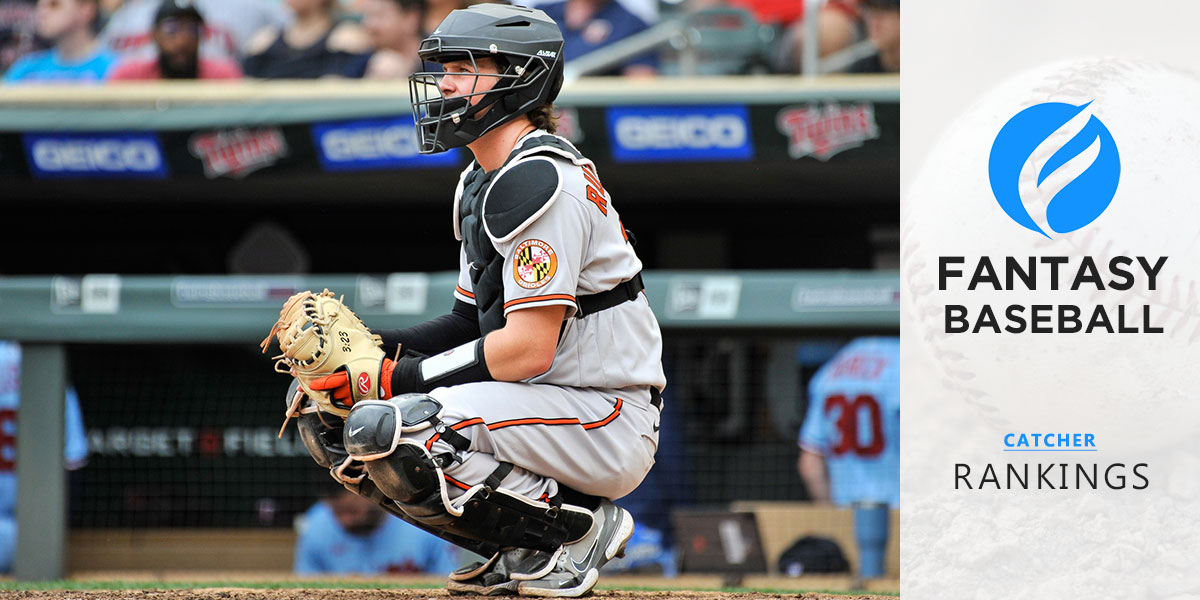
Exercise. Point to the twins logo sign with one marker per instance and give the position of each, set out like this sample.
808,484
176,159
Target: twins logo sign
1079,202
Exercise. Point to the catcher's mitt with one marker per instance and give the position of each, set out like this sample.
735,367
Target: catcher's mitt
319,337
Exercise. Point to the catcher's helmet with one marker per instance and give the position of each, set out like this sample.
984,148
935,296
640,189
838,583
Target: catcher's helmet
527,48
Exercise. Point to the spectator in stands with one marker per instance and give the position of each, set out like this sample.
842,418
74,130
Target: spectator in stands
18,31
436,11
176,33
769,12
394,27
588,25
345,534
883,29
75,451
228,26
839,25
76,55
316,44
646,10
850,439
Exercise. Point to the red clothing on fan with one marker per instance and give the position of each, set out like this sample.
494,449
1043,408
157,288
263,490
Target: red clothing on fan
787,11
209,68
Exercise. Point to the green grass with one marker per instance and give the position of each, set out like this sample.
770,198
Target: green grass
742,590
793,591
325,584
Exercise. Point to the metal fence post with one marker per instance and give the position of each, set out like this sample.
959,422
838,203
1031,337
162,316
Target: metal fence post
810,61
41,479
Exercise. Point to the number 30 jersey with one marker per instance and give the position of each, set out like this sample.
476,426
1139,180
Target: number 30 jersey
853,420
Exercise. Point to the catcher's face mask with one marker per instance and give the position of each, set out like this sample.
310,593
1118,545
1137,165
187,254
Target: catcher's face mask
472,95
482,67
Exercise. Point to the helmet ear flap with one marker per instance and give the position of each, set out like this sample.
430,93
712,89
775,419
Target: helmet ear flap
511,102
556,80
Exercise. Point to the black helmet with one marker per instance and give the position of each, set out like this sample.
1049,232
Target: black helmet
527,48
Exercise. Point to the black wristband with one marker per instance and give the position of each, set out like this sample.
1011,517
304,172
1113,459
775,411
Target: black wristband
464,364
406,374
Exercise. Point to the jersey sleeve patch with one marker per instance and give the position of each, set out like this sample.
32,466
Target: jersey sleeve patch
520,194
534,264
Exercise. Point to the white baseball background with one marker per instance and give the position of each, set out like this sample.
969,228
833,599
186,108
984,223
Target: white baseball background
968,67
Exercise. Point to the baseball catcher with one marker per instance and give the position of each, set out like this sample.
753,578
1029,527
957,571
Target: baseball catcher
509,424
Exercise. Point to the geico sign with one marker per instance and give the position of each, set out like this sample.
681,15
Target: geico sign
111,156
693,132
369,143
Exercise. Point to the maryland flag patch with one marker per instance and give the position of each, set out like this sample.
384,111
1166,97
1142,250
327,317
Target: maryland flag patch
534,264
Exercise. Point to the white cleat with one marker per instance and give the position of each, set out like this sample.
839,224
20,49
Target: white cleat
578,567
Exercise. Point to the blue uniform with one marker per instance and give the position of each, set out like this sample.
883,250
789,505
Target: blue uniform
48,66
10,397
853,421
323,547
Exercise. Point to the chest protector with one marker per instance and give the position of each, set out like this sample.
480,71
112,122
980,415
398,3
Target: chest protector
512,201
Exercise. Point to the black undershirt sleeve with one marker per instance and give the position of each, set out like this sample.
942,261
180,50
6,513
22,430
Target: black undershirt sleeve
436,335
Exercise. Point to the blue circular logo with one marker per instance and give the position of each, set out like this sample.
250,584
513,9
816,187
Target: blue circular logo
1081,200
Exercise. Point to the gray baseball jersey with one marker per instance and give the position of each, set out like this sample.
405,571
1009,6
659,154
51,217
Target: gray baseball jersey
575,246
588,421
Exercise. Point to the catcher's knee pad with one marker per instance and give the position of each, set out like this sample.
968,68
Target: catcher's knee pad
410,475
401,468
321,433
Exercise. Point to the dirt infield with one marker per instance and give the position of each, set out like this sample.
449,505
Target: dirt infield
277,585
382,594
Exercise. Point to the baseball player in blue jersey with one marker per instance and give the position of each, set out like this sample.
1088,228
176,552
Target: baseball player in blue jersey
850,440
348,534
76,451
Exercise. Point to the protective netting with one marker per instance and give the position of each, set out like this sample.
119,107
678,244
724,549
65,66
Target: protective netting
184,435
